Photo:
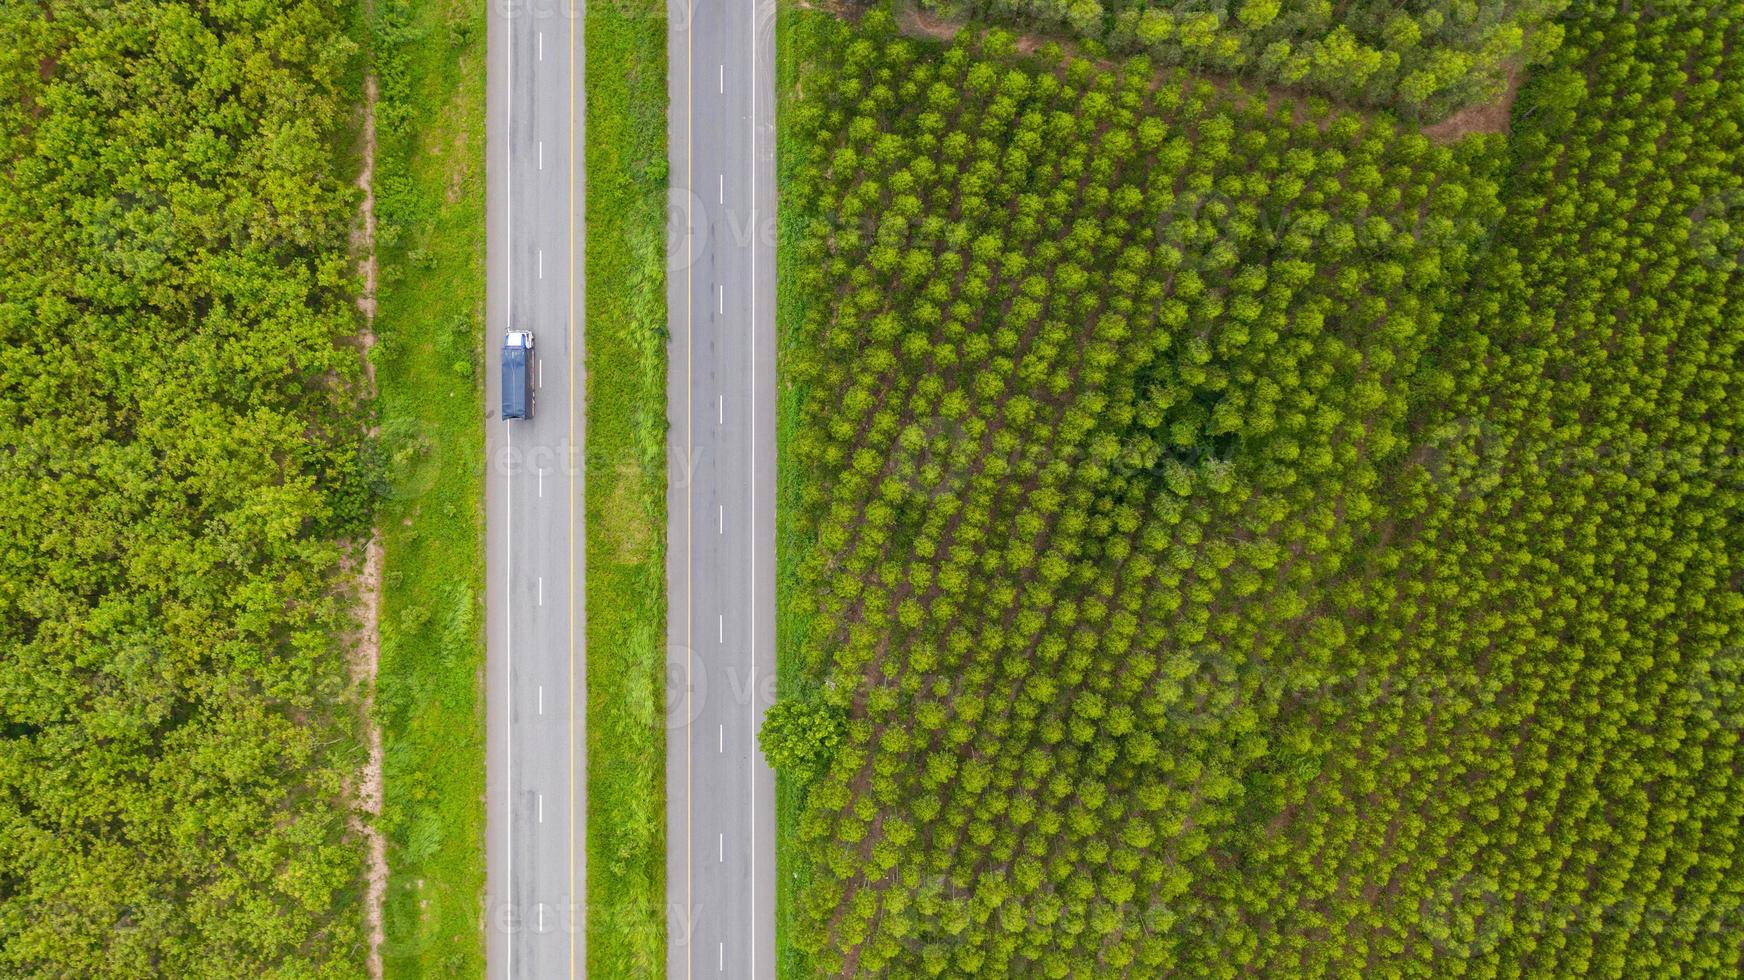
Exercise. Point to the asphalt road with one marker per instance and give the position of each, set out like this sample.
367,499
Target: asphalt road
535,616
721,492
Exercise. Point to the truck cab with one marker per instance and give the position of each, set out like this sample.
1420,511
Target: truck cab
519,380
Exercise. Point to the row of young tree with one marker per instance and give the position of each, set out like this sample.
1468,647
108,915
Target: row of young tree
1073,332
179,453
1576,534
1251,546
1422,60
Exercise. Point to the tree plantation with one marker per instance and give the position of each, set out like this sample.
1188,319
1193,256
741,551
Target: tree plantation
180,439
1420,59
1239,543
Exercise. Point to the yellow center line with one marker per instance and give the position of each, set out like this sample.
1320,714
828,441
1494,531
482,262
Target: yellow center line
573,407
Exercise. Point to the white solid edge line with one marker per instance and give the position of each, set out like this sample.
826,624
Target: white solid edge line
509,688
509,505
690,447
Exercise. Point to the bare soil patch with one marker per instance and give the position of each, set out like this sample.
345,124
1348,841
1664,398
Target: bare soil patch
913,20
1490,118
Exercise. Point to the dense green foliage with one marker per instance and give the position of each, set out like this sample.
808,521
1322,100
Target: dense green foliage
625,46
1243,547
1571,576
178,458
1421,59
429,179
800,737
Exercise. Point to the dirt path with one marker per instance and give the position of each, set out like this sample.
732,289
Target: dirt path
364,650
363,235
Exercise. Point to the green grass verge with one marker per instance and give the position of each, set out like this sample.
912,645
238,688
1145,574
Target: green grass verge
792,616
626,488
430,62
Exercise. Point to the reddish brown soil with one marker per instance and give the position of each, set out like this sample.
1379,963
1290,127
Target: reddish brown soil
1490,118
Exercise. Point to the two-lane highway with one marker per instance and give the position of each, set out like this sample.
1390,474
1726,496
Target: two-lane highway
537,688
721,491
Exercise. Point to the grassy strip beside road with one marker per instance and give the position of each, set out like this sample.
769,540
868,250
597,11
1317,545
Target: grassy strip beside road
626,490
430,60
793,27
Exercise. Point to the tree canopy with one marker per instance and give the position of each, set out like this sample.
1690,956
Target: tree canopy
181,432
1248,545
1421,60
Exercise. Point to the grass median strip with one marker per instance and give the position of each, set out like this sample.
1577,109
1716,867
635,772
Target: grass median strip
626,495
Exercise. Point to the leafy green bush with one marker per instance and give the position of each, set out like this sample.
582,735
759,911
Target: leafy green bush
800,737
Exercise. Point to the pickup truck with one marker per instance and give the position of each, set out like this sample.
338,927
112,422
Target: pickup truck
518,375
